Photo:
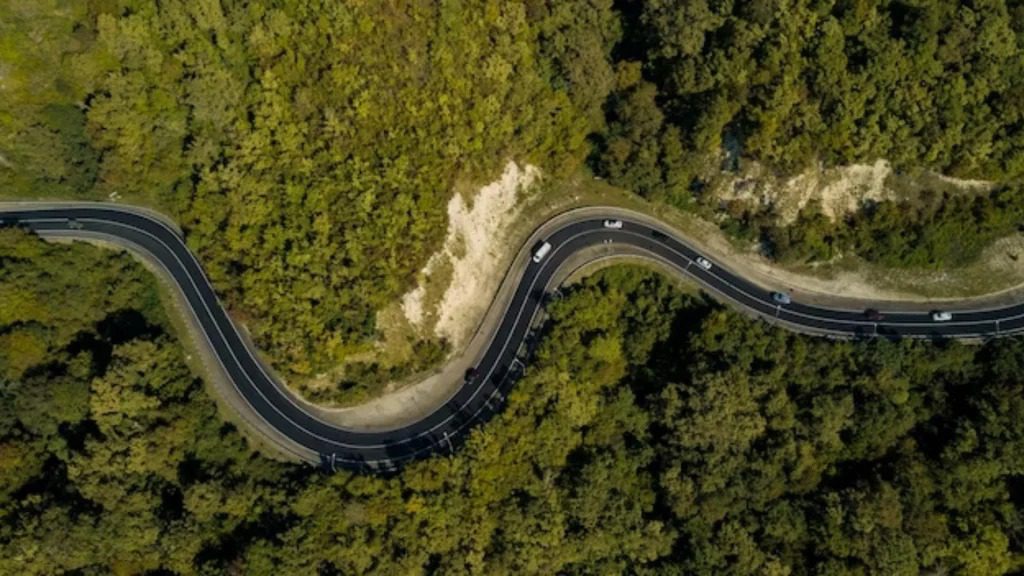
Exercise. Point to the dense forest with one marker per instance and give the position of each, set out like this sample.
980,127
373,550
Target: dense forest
309,147
924,83
654,433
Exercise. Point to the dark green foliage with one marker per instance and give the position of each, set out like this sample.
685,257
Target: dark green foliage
575,38
934,84
652,434
106,438
934,232
36,313
766,433
811,237
640,151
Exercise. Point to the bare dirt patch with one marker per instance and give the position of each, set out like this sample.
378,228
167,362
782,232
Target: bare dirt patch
453,293
478,228
839,190
490,224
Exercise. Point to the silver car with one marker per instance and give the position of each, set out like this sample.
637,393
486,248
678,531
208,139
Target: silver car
781,297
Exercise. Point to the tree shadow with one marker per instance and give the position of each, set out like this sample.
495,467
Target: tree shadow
125,325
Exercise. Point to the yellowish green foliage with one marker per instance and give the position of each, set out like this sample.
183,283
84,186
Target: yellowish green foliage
308,147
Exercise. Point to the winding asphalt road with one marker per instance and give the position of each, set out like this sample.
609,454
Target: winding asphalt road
502,361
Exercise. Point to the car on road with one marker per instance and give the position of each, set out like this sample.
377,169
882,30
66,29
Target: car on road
541,252
613,224
873,315
940,316
703,262
74,224
471,373
781,297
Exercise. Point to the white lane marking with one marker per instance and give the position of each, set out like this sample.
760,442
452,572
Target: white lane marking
206,279
276,385
500,354
672,236
209,312
158,218
195,315
472,418
811,316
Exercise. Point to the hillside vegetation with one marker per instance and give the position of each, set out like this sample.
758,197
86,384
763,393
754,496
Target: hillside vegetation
308,147
653,434
938,231
925,83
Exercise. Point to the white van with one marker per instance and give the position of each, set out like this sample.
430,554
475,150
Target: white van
542,252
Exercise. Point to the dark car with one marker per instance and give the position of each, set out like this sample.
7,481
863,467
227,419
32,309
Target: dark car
873,315
471,373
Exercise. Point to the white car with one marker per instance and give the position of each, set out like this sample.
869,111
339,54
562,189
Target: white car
781,297
703,262
541,252
940,316
613,224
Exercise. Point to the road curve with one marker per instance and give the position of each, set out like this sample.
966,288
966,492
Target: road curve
312,439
